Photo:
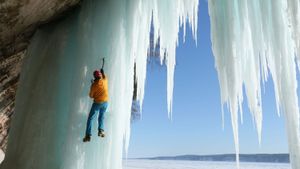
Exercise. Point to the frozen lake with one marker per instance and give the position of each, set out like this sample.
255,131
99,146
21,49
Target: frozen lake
170,164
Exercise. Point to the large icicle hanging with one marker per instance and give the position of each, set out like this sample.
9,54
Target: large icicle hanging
52,100
250,39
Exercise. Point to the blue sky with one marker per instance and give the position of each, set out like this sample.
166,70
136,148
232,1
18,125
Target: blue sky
196,127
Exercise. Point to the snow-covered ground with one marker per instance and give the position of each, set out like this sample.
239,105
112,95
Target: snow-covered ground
169,164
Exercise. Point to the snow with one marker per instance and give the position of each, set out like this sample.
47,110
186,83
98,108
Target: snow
169,164
2,155
250,40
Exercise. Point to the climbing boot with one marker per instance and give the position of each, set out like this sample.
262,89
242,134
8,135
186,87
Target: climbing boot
101,133
87,138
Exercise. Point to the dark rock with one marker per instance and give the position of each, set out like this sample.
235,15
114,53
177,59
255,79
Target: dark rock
19,19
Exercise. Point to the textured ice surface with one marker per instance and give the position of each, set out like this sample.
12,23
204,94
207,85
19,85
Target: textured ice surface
166,164
52,100
250,40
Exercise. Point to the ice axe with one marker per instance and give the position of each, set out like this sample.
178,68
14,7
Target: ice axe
102,71
103,61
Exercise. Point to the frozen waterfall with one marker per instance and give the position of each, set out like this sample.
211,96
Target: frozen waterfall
52,100
251,39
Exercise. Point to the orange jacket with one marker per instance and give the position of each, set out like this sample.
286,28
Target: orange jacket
99,90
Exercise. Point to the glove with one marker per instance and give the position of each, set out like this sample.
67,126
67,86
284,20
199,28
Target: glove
102,71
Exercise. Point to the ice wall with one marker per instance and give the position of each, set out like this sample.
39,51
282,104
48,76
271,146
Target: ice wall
52,102
250,40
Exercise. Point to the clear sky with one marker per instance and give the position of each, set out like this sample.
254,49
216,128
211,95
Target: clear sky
196,127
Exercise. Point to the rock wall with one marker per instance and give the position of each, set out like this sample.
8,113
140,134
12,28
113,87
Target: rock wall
19,19
10,69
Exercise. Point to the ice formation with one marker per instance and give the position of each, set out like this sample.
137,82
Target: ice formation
52,100
251,39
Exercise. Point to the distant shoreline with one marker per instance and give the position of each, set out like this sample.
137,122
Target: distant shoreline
263,158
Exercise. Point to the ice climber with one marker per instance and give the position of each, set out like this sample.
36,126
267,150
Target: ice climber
98,92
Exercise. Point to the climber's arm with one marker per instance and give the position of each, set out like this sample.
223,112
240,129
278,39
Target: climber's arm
102,72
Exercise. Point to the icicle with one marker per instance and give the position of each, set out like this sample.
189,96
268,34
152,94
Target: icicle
168,32
294,24
248,39
52,100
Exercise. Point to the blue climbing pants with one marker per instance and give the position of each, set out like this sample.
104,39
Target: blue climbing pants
96,107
